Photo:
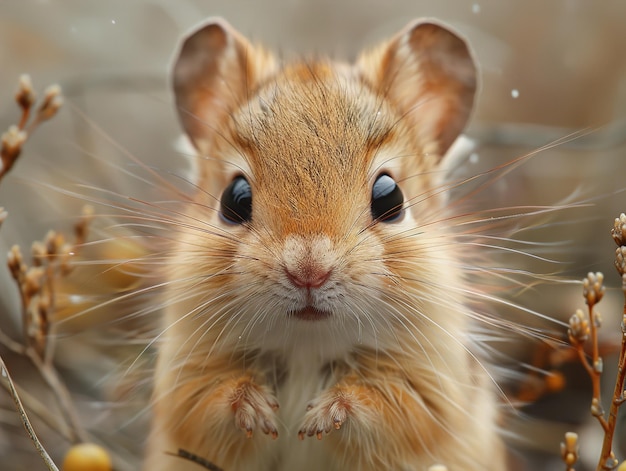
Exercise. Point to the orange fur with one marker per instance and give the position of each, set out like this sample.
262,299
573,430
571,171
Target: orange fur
384,377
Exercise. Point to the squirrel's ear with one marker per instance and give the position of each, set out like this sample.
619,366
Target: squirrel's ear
214,72
429,74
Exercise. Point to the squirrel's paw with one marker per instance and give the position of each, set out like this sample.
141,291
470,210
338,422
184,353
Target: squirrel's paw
254,407
328,412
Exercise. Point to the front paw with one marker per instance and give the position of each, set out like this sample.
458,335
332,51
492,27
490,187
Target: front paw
328,412
254,406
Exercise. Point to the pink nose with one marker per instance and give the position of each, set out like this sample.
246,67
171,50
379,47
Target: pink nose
308,277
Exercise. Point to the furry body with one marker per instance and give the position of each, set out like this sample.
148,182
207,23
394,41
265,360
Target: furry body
312,320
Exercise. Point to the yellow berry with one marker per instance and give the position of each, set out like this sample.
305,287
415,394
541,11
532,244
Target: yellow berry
87,457
622,466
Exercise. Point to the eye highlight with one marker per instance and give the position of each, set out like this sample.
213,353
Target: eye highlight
387,199
236,201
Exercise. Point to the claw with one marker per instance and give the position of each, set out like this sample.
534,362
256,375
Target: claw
269,429
254,409
325,414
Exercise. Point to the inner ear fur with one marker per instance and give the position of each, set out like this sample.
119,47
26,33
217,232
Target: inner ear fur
215,70
429,74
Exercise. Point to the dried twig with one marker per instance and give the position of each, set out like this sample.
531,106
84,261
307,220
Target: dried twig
584,327
201,462
4,372
12,141
48,416
37,294
36,284
607,458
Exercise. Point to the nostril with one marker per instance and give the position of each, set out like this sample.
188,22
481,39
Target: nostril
308,278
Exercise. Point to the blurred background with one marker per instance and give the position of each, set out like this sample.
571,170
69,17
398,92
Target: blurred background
549,70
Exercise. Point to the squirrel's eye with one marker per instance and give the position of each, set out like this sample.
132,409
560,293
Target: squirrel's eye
387,199
236,202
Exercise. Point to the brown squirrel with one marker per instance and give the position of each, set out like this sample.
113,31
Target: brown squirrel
312,320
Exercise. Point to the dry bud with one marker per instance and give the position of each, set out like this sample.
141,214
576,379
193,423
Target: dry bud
52,101
611,462
81,228
39,325
38,251
578,331
619,230
593,289
15,262
33,281
569,449
598,366
596,408
620,259
11,141
53,242
597,319
25,95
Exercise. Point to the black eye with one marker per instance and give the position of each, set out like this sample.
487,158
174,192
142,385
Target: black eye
236,203
387,199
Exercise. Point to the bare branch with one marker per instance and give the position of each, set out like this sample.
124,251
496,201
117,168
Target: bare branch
4,372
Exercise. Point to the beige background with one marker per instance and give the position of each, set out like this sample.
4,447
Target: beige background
566,60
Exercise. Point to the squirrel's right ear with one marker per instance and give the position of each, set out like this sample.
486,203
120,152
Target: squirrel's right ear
214,71
429,73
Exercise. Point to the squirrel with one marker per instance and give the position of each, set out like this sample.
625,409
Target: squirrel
312,318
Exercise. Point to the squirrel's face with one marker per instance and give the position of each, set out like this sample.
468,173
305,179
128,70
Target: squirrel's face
312,185
319,185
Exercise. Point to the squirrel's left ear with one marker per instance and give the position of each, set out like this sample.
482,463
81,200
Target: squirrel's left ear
429,74
215,72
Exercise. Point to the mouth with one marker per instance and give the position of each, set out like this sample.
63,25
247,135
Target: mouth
310,313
